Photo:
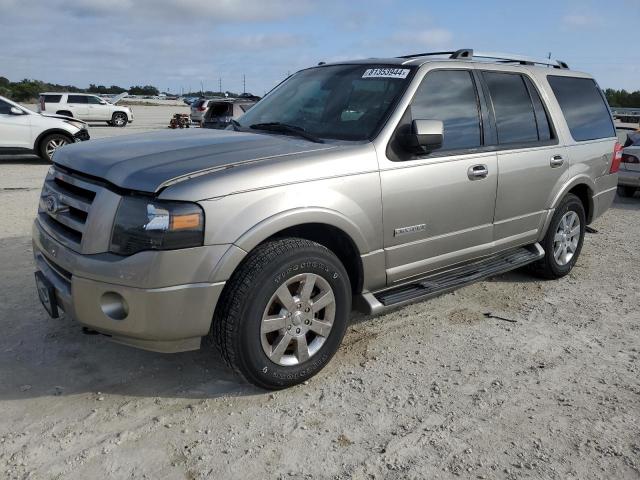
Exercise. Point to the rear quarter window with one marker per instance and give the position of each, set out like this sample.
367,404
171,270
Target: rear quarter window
52,98
583,106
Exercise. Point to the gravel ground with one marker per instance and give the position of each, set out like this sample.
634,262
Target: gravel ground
433,390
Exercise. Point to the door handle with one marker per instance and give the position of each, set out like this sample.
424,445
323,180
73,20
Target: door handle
556,161
477,172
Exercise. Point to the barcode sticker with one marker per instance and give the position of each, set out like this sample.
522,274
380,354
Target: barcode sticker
386,73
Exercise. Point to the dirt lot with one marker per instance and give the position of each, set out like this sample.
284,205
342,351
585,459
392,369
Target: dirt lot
433,390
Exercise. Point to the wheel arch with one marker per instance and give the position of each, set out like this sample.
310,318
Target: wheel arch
328,228
583,188
46,133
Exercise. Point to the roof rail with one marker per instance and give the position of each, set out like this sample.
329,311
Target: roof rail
501,57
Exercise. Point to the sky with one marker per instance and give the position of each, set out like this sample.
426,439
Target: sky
184,44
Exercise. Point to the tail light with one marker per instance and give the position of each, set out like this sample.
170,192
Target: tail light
42,104
626,158
617,157
202,108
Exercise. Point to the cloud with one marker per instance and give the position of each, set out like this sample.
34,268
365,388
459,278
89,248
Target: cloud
433,37
581,20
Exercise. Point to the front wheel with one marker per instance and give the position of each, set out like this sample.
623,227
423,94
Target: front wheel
50,144
283,313
119,119
563,241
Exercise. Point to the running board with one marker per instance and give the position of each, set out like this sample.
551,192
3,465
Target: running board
444,282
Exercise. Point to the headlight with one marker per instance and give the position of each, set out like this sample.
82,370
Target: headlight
143,224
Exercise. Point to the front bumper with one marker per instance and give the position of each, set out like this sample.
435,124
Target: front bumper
143,302
82,136
629,178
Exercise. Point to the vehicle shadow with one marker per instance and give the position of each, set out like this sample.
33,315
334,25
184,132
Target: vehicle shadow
40,356
22,160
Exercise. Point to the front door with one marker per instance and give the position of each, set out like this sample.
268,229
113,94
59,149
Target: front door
78,106
15,129
438,207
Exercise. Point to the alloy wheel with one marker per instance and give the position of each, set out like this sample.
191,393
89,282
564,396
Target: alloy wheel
298,319
567,237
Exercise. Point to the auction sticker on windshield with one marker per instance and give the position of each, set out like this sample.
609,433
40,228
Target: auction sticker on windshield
386,73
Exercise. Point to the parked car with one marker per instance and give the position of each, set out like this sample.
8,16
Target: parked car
198,109
378,181
220,112
87,107
629,174
23,131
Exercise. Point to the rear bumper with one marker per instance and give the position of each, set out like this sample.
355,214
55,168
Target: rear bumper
164,319
606,186
629,178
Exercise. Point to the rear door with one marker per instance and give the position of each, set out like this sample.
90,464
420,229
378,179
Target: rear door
78,106
531,162
438,207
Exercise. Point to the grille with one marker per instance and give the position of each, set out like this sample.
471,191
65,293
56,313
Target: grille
65,203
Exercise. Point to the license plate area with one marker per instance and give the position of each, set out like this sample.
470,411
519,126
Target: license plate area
47,295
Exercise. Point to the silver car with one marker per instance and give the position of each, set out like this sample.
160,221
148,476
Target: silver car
629,174
372,183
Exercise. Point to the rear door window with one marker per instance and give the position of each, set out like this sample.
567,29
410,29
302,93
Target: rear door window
583,106
514,113
450,96
77,99
52,98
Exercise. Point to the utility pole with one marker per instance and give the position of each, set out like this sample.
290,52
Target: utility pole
244,83
202,87
220,84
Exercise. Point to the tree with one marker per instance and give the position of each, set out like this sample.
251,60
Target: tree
146,90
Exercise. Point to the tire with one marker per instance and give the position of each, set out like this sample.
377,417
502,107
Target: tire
564,220
50,143
251,345
625,191
119,119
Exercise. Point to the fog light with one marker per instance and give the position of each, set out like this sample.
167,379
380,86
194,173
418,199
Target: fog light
114,306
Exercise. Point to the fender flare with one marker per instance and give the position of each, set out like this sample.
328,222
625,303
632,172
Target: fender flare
573,182
281,221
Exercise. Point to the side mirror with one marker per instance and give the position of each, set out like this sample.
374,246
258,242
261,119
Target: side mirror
424,136
16,111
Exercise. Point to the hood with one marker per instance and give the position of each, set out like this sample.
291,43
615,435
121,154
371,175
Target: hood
118,97
147,162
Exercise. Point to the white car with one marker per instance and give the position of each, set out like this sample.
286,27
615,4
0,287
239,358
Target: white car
87,107
23,131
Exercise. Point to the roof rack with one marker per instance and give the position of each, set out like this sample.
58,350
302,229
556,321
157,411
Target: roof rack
467,53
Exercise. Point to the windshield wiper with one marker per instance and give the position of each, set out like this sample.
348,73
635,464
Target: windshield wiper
285,128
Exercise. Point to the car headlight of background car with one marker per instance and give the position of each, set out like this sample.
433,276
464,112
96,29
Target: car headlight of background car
147,224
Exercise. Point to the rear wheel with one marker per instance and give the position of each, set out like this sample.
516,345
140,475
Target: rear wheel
563,241
51,143
283,313
625,191
119,119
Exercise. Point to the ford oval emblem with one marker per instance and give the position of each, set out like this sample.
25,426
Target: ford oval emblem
51,204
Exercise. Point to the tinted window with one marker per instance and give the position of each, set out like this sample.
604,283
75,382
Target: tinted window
5,108
52,98
94,100
583,106
450,96
515,119
77,99
542,119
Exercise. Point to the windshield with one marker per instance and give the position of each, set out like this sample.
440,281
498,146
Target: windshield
345,102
